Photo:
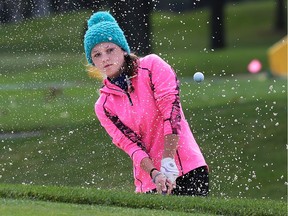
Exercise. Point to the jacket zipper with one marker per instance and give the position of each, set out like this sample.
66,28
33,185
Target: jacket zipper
129,97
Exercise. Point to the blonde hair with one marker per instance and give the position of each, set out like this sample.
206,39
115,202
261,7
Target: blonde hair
131,65
93,72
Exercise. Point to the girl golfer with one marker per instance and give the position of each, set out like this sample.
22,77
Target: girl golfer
139,107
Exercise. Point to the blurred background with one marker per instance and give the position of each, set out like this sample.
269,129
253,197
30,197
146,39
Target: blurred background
49,133
177,27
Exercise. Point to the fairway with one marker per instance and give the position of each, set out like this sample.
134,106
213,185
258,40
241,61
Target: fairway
235,121
56,159
36,208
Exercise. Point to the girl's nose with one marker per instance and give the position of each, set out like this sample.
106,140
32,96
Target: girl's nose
105,57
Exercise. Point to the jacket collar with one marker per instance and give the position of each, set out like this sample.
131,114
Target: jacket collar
111,88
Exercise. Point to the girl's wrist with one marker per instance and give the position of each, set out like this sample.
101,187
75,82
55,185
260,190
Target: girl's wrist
152,172
155,176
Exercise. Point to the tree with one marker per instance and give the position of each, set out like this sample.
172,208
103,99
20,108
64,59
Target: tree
10,11
4,16
217,24
280,23
42,8
65,5
134,18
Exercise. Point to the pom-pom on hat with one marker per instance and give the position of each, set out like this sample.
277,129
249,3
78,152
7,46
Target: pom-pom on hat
102,27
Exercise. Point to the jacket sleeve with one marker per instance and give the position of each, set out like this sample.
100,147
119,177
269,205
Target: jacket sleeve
165,87
122,136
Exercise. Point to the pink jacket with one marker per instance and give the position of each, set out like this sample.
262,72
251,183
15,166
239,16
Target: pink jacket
138,121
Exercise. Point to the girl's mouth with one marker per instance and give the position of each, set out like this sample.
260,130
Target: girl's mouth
106,66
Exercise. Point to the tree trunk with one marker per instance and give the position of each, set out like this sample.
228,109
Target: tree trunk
217,24
60,5
280,23
4,16
95,5
42,8
133,18
11,11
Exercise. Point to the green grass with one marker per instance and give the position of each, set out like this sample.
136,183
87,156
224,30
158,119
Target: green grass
58,33
36,208
139,202
183,39
235,121
47,106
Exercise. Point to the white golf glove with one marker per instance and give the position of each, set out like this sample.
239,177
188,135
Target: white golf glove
169,169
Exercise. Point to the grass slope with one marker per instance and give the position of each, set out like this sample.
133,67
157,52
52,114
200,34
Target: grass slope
235,121
47,208
174,204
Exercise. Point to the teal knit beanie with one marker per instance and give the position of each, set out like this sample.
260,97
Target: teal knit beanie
102,27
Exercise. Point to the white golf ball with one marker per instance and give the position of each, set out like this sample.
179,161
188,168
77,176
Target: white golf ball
198,77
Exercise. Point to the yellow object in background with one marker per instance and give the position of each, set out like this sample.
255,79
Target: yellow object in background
277,55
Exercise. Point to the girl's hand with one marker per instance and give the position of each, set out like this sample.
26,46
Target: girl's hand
169,169
163,185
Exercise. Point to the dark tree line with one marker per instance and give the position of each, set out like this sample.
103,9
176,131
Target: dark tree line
133,16
217,24
135,22
281,16
18,10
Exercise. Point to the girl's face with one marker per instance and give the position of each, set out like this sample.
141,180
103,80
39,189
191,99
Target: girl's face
108,58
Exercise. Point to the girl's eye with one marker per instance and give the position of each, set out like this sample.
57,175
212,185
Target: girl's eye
110,50
96,55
